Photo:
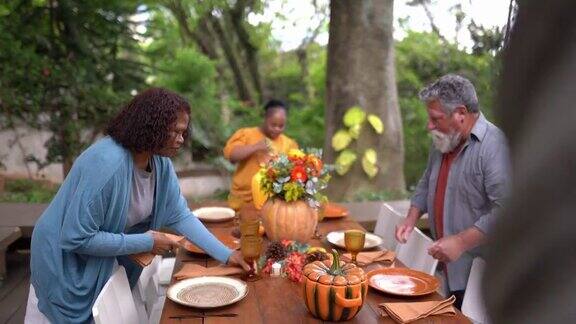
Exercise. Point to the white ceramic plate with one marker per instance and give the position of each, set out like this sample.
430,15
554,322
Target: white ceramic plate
337,238
214,214
207,292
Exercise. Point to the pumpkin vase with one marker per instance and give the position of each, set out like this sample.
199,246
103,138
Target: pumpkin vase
293,220
333,290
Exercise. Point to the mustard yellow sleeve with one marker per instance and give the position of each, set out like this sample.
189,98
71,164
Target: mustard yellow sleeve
237,139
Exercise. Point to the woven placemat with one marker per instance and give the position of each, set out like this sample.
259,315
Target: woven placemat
210,294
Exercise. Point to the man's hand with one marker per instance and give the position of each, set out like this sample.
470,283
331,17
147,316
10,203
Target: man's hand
450,248
162,243
447,249
404,229
237,260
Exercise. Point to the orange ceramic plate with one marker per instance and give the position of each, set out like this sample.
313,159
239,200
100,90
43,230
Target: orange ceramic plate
402,281
223,235
333,210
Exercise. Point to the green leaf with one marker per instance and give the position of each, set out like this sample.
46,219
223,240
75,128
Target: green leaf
371,156
369,163
340,140
4,10
354,116
376,123
344,161
355,131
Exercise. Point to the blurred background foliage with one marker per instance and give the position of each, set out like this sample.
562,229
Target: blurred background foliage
68,65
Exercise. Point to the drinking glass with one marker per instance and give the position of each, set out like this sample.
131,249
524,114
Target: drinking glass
251,247
320,215
354,242
249,224
236,204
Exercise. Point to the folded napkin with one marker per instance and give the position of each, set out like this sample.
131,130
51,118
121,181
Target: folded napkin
366,258
191,270
145,258
412,311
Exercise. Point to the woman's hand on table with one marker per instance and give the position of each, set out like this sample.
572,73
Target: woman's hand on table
162,244
237,260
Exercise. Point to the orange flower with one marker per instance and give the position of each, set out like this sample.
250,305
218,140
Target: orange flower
298,173
315,163
297,161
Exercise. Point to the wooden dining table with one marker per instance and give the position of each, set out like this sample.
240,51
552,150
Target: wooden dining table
279,300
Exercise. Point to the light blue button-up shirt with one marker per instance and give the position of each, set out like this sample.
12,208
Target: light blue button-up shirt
477,185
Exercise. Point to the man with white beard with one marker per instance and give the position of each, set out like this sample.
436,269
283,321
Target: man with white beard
465,181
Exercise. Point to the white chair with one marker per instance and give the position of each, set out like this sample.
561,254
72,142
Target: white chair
386,226
414,253
154,301
146,291
473,303
115,304
165,270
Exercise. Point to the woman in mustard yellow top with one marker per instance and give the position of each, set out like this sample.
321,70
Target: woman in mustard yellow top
252,146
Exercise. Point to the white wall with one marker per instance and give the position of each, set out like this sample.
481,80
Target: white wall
16,145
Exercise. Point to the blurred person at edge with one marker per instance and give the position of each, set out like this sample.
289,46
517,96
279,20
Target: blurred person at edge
118,190
531,259
465,181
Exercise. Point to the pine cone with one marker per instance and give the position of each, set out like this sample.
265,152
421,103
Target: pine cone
276,251
316,256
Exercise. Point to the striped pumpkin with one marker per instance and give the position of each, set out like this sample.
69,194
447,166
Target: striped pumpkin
293,220
334,290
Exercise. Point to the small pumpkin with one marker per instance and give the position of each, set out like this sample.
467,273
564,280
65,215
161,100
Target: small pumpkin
334,290
294,220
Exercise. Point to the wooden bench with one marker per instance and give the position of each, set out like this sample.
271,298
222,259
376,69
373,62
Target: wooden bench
8,235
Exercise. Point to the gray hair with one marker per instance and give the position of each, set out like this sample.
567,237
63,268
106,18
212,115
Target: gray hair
451,90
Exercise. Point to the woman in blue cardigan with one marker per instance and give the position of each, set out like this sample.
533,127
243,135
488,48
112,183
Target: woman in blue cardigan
118,190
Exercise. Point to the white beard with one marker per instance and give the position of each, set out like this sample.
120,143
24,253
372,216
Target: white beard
445,142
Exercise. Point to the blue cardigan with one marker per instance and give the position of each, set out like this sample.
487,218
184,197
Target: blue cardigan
78,237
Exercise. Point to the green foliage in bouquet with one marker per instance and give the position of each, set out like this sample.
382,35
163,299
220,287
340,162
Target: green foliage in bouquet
296,176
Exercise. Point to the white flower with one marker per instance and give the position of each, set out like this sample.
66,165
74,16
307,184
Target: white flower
277,187
284,180
310,188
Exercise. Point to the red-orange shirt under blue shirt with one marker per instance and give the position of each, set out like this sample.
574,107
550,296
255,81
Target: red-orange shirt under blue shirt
447,159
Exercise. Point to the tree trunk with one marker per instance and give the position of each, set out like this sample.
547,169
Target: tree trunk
242,83
361,71
237,17
308,89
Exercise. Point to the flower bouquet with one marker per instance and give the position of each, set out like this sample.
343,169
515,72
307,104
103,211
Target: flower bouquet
292,185
295,176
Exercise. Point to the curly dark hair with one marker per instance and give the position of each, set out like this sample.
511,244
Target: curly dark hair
143,125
